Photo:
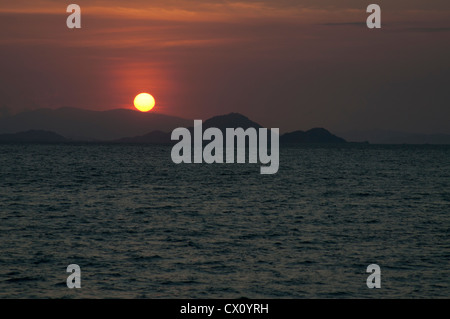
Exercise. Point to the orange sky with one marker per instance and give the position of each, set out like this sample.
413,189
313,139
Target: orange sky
285,63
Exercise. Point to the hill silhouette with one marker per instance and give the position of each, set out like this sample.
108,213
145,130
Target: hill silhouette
126,126
316,135
33,136
236,120
232,120
130,126
87,125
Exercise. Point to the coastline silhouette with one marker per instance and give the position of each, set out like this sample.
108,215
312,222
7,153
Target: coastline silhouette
76,125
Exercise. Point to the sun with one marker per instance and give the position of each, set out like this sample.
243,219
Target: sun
144,102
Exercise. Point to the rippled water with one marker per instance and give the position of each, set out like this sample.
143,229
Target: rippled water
140,226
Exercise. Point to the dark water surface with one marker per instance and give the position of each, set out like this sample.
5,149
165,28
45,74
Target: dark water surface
140,226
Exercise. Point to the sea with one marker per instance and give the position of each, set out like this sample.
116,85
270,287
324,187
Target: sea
141,227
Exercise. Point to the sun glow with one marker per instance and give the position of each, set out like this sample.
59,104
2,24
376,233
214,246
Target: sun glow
144,102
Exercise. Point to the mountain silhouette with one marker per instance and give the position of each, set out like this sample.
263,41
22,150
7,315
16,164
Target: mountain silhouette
87,125
236,120
127,126
222,122
315,135
33,136
130,126
232,120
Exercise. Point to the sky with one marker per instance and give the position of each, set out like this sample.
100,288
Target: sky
290,64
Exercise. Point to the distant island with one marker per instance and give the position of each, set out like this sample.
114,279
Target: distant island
75,125
33,136
87,125
68,125
396,137
315,135
235,120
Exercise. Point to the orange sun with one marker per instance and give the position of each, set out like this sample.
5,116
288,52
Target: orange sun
144,102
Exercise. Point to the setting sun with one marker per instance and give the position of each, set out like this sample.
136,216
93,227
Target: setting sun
144,102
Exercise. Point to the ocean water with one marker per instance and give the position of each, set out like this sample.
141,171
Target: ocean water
140,226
